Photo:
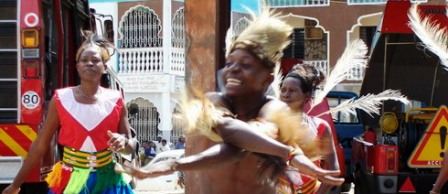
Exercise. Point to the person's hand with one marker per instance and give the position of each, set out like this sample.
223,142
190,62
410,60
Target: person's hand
306,166
11,190
329,177
117,142
155,170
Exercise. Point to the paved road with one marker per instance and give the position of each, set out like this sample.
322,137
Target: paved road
180,192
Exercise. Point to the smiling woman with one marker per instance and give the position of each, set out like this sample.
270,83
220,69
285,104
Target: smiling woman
92,123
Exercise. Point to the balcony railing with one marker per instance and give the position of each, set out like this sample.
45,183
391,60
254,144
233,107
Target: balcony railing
150,60
364,2
178,61
322,65
315,3
297,3
141,60
356,74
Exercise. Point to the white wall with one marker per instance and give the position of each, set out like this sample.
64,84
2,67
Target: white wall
109,9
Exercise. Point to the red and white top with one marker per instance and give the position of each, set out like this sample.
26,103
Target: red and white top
84,126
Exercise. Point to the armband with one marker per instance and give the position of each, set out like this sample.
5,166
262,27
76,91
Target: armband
293,152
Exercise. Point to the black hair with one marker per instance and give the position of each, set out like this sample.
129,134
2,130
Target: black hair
310,77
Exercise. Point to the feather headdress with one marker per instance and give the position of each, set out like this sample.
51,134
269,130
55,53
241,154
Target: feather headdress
432,35
266,37
354,56
275,85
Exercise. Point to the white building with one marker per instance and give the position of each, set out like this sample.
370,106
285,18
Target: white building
150,39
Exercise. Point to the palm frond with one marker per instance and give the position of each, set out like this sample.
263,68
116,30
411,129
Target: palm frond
369,103
432,35
354,56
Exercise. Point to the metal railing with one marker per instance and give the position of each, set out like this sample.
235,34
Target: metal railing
297,3
356,74
366,2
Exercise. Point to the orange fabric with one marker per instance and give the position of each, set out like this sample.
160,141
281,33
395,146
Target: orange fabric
310,184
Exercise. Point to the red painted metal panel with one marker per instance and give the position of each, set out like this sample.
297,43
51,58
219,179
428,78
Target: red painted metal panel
381,160
27,7
5,150
16,142
395,18
31,101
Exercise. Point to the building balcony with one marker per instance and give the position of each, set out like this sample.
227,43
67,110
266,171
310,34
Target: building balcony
317,3
322,65
150,61
375,2
297,3
356,74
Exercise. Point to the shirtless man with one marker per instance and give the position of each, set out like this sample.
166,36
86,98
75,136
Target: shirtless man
233,166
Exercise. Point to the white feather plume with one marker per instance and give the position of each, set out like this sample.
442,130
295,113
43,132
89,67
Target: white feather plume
354,56
369,103
229,39
278,77
432,35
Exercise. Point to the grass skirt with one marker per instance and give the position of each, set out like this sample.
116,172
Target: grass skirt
73,180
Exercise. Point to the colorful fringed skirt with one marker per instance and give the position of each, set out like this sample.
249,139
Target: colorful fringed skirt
309,186
86,173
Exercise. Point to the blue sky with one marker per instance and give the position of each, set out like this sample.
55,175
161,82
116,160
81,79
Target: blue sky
237,5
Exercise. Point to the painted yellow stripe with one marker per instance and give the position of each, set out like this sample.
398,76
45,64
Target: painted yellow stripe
12,144
27,131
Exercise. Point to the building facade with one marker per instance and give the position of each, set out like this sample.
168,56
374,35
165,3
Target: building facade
150,60
323,29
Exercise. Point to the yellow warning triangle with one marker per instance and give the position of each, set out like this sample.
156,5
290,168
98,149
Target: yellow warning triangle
429,153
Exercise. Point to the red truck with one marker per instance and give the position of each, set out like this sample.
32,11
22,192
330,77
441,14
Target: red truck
404,155
38,43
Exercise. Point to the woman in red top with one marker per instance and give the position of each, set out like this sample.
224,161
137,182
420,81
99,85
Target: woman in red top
92,123
296,90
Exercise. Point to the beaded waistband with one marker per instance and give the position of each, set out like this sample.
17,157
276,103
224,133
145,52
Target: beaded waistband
82,159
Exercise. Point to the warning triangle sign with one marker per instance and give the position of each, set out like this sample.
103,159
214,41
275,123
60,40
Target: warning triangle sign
407,186
429,151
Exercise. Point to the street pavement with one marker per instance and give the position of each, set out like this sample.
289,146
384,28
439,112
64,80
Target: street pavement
180,192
